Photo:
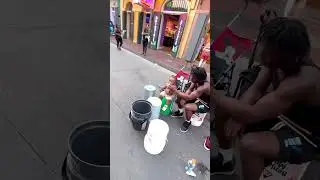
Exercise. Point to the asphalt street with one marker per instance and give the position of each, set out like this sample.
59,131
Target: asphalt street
54,74
129,160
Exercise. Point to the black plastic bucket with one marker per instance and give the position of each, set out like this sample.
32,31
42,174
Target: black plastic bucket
88,155
140,114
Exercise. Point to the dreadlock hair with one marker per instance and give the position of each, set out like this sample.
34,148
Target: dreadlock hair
200,74
288,37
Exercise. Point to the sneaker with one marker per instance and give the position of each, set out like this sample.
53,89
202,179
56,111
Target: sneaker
185,126
207,144
217,167
177,114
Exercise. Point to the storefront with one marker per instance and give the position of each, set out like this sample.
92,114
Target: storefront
168,26
114,12
148,8
199,42
127,21
144,21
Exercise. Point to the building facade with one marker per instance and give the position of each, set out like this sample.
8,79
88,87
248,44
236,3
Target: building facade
168,23
199,36
135,18
114,12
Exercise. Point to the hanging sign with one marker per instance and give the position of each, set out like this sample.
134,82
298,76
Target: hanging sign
178,37
176,5
155,31
113,4
148,3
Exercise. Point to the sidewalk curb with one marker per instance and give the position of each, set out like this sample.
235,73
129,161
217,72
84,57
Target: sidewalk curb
166,66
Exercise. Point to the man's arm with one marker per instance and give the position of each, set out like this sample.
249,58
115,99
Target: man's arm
258,88
269,106
194,94
189,90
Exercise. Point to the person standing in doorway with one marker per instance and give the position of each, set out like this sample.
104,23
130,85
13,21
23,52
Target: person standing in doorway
145,42
118,37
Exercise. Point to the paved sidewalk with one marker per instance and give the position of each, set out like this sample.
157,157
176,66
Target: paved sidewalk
159,57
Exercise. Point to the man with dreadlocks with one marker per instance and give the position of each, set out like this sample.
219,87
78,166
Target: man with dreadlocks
187,102
284,53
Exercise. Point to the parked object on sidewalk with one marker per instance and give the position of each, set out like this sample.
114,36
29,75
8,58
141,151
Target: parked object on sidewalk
156,106
140,114
149,91
207,143
191,164
88,152
197,119
182,80
156,138
284,170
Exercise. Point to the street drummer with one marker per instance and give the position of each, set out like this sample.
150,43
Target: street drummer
187,102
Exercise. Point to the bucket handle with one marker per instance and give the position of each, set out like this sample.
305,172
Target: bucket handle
146,119
64,169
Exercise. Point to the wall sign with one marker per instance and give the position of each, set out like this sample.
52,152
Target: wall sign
176,5
113,4
178,37
148,3
155,31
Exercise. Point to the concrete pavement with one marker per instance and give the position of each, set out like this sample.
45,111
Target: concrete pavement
129,160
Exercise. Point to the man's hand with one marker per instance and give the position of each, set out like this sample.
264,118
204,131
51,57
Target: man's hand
173,88
233,128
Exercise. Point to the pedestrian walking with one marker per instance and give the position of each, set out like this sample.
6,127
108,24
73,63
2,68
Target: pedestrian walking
118,37
145,42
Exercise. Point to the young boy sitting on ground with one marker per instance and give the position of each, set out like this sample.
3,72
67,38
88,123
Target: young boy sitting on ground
166,92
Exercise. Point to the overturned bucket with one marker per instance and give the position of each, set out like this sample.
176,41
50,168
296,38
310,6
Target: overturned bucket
149,91
88,152
156,138
140,114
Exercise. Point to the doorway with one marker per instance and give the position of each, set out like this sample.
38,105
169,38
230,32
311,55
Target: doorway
129,21
170,26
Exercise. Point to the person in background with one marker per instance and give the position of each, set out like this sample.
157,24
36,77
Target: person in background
145,42
118,36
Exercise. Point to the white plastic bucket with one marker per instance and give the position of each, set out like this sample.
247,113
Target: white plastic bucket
197,119
156,107
156,137
149,91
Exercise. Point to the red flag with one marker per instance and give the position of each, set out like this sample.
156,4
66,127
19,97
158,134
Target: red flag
228,41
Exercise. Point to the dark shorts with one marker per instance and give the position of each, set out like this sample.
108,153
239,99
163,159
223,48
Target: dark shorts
293,148
201,108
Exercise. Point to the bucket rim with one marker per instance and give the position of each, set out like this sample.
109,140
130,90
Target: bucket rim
72,133
142,101
154,88
155,100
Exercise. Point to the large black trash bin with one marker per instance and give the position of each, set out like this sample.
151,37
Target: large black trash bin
89,152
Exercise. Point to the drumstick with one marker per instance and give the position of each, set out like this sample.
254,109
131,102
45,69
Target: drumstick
294,124
204,103
283,119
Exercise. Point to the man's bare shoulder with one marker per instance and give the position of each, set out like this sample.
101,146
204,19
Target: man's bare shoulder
302,84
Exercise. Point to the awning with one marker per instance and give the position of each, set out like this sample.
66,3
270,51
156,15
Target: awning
176,5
